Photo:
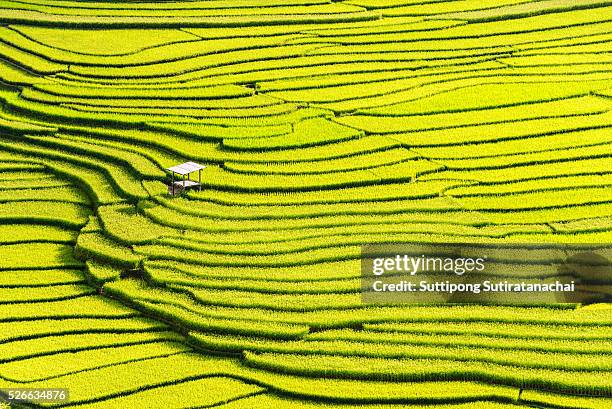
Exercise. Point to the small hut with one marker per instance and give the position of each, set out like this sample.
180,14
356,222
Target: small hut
185,170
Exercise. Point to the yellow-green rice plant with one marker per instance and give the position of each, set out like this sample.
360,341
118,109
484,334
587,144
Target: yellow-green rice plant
99,247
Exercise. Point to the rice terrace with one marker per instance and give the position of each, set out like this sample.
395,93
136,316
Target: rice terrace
312,128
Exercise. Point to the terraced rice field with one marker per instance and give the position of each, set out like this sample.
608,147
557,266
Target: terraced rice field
323,125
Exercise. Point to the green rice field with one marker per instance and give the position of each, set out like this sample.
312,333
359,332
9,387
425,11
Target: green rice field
323,125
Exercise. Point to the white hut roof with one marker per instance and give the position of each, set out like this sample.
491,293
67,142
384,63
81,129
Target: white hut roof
185,168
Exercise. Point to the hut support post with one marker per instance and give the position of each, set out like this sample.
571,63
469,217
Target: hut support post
200,179
173,183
